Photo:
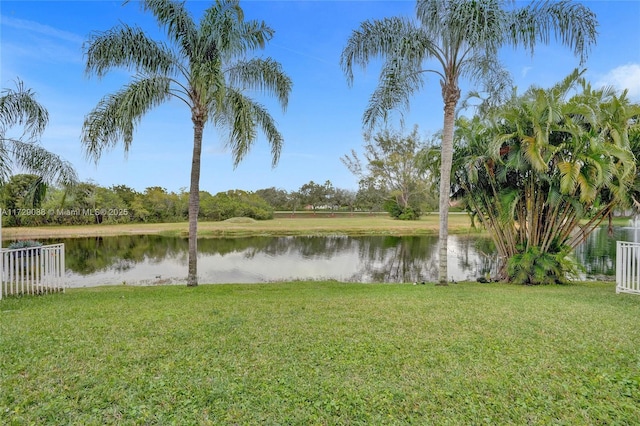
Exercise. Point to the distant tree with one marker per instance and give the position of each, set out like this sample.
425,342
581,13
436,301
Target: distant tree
316,195
295,201
236,203
343,198
125,193
206,67
23,191
278,198
160,204
78,201
393,163
208,208
371,194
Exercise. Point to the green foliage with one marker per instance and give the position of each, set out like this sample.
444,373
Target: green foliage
22,194
533,266
321,353
463,39
20,108
401,212
88,203
394,174
234,203
278,199
24,244
544,169
371,195
316,195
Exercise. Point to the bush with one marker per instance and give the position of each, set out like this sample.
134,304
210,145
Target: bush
226,205
403,213
534,267
24,244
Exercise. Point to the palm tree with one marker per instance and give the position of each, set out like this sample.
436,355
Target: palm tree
205,68
463,39
543,170
20,108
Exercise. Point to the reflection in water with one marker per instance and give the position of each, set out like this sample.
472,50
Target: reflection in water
153,259
598,253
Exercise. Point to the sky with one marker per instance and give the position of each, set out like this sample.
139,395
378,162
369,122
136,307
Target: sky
41,43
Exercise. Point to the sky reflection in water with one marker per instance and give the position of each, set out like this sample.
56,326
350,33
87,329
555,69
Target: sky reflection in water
152,260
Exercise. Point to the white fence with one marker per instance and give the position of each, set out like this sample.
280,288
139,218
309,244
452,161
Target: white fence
627,267
32,270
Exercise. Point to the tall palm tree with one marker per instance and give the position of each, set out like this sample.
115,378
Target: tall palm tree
205,68
462,38
19,107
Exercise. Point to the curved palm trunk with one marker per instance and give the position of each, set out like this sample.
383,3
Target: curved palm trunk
194,203
450,95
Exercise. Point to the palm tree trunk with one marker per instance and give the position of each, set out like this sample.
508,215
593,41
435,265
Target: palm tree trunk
194,203
450,95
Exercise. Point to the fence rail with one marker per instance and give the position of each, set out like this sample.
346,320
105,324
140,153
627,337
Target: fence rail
627,267
32,270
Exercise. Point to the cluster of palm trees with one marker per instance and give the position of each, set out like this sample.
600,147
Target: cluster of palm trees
543,170
205,66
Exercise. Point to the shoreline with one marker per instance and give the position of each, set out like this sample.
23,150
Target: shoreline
242,227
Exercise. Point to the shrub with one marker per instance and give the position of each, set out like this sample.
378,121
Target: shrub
532,267
24,244
403,213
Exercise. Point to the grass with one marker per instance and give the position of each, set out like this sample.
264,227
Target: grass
322,353
300,224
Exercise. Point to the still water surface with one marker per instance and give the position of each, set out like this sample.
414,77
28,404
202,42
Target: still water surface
152,259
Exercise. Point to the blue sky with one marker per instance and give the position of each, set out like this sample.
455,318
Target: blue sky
41,43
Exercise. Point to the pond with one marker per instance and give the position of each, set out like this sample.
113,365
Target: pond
153,259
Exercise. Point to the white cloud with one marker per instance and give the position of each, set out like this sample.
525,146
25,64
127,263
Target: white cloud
623,77
34,27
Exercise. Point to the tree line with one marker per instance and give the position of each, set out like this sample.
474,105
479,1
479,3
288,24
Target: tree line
27,201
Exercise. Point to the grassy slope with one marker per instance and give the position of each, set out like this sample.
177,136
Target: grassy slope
301,224
322,353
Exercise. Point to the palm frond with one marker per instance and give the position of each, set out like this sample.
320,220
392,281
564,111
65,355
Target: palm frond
265,75
34,158
572,23
398,81
177,21
114,117
496,81
569,174
19,107
127,47
224,33
242,116
393,38
5,162
461,24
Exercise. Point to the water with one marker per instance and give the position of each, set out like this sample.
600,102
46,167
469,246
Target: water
152,259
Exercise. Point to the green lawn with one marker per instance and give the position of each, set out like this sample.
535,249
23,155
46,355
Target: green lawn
300,224
322,353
